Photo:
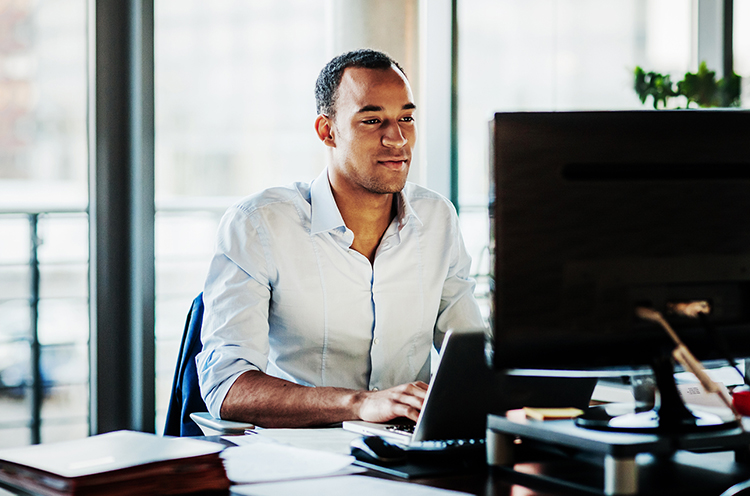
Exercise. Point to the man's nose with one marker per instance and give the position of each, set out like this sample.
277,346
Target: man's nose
394,136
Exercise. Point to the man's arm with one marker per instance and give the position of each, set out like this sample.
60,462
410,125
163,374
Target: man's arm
459,310
271,402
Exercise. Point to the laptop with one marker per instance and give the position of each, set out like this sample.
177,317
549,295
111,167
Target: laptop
464,390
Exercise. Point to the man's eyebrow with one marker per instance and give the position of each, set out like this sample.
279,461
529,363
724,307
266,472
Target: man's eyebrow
377,108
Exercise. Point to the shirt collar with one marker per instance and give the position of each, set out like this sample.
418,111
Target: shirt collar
325,213
405,211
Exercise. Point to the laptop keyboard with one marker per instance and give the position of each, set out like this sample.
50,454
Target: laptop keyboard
446,445
405,428
434,445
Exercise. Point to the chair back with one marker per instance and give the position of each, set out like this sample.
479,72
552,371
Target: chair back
186,397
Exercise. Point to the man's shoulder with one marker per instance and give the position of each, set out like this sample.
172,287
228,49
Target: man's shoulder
294,194
421,196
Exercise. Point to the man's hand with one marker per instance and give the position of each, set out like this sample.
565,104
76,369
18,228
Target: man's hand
399,401
272,402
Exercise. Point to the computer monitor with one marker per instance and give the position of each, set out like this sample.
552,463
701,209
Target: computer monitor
594,214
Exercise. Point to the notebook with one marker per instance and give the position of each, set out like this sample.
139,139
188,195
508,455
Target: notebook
119,463
464,390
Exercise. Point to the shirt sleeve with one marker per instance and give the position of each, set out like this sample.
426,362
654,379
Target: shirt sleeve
236,298
459,310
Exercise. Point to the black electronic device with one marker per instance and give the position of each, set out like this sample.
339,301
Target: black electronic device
375,449
594,214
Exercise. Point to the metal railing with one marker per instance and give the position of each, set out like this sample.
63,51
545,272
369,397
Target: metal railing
37,383
35,386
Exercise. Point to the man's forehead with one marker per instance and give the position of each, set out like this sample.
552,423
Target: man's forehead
368,72
365,88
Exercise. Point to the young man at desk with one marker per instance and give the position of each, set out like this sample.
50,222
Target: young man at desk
323,299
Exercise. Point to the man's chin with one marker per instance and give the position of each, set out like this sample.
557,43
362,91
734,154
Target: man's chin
387,187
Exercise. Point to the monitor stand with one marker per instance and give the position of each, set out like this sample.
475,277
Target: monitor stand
560,452
671,416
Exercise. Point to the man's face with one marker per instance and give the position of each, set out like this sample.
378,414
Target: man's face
373,131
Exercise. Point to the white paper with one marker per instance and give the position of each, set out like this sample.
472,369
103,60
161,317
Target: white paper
341,486
695,394
333,440
725,375
262,460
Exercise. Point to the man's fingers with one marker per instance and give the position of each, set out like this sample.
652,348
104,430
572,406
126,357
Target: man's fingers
402,410
400,401
412,399
421,385
412,396
419,388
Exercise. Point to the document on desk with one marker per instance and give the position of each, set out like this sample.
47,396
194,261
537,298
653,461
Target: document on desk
342,486
333,440
263,460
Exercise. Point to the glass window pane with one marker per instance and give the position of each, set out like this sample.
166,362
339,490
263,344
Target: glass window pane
43,168
43,81
741,47
64,365
15,373
14,281
15,405
14,243
547,55
63,321
556,55
234,114
64,238
234,95
15,324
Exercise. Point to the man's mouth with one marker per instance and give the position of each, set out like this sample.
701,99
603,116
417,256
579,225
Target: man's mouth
395,164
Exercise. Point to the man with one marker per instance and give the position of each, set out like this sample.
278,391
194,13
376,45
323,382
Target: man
323,299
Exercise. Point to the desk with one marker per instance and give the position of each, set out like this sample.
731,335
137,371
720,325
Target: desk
700,463
487,483
705,473
484,481
497,481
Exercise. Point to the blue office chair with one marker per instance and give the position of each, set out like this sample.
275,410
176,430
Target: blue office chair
186,397
739,489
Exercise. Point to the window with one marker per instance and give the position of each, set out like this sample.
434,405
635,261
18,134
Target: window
234,114
43,196
741,34
552,55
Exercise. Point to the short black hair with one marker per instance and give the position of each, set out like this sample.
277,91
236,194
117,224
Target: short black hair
329,78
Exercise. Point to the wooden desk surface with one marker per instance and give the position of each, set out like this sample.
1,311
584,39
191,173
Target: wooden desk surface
490,482
497,482
703,474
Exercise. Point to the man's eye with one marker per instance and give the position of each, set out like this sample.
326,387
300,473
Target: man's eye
408,119
371,121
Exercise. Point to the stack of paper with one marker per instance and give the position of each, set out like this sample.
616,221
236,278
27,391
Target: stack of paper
117,463
261,459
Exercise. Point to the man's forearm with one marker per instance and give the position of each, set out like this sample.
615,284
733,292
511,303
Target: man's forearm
271,402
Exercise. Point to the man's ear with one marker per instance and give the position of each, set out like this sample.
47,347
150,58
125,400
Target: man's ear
324,128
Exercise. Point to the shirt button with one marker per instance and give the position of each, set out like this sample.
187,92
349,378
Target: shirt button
376,341
375,389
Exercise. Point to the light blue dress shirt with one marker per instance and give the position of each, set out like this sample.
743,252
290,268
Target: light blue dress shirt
286,294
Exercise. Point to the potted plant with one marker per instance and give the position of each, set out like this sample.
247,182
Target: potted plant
700,87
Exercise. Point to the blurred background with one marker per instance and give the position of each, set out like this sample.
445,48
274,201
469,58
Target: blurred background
234,112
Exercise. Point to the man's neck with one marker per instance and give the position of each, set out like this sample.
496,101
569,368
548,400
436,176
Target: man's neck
368,216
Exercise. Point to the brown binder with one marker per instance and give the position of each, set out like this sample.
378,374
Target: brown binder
116,463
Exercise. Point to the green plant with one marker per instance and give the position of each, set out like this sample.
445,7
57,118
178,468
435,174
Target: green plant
700,87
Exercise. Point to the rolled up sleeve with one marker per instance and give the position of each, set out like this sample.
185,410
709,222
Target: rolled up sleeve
236,298
459,310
